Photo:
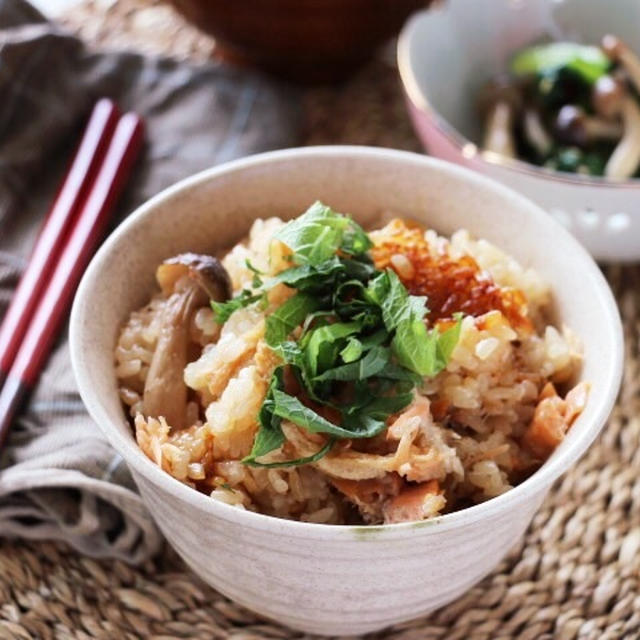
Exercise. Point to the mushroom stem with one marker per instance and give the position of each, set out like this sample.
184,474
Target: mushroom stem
165,393
499,102
598,129
535,132
620,52
625,159
498,135
574,126
188,280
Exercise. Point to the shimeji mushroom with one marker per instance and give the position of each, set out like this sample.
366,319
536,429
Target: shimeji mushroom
610,99
607,96
499,102
625,159
189,281
574,126
620,52
535,133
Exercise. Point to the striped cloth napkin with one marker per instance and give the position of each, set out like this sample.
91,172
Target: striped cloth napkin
59,479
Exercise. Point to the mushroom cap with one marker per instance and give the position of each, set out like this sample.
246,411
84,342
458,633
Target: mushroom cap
500,89
206,271
607,96
613,46
570,125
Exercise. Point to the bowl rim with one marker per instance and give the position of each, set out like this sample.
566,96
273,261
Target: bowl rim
530,488
467,148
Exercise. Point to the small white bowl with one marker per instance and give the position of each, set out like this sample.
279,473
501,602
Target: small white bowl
447,53
321,578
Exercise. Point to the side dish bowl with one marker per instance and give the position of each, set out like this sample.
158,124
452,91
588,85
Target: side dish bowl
323,578
305,41
445,56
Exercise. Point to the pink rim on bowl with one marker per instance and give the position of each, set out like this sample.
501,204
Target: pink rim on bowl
419,104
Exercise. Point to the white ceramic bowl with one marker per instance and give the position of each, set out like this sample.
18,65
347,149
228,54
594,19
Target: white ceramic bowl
447,53
321,578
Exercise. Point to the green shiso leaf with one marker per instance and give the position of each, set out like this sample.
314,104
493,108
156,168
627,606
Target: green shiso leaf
223,310
287,317
296,462
394,299
352,351
362,425
397,373
266,440
363,345
322,344
320,232
374,361
290,352
588,62
447,341
355,240
359,268
382,407
379,337
257,280
315,236
414,348
309,277
424,352
269,436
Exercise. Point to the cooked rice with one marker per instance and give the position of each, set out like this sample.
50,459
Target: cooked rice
473,431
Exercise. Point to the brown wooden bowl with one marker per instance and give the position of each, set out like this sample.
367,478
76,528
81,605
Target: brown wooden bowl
303,40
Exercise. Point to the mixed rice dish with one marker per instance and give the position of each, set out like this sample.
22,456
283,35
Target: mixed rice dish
322,373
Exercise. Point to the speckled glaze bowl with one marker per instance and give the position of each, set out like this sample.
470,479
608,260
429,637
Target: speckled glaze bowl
321,578
446,54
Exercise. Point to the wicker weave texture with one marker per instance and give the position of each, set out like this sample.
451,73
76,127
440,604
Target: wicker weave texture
575,575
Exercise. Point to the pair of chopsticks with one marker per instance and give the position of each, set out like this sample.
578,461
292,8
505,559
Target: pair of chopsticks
66,242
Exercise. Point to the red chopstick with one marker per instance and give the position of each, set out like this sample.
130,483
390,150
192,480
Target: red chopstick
55,299
81,173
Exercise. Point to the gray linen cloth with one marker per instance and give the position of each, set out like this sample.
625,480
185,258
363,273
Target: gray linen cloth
59,479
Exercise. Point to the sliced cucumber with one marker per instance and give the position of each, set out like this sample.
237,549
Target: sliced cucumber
588,62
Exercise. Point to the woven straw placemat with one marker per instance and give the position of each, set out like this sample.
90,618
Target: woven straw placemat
575,575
